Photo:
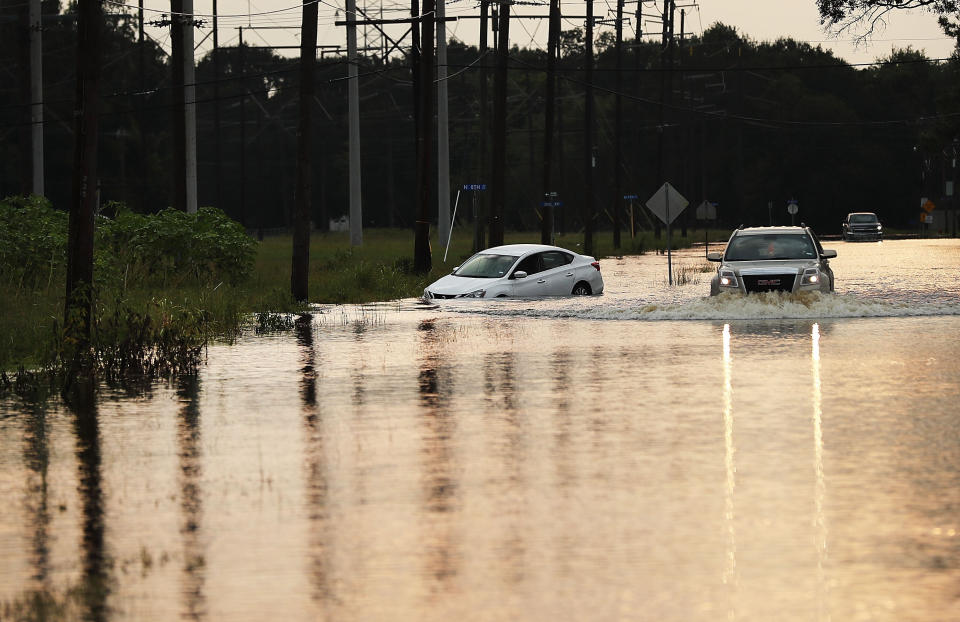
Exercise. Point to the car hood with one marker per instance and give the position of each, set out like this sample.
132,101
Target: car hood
455,285
771,267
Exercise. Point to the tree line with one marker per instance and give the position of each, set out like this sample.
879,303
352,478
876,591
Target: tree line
741,123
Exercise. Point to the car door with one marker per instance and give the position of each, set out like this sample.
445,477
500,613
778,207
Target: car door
557,272
533,284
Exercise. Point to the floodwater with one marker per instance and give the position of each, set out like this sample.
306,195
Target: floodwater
649,454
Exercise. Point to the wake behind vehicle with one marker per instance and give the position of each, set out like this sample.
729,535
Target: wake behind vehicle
520,270
781,259
862,226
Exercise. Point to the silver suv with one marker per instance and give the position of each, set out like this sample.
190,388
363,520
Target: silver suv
765,259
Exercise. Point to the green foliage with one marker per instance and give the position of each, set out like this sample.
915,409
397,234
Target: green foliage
33,242
171,246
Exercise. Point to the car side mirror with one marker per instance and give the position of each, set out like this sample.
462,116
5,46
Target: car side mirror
454,271
828,253
519,274
714,256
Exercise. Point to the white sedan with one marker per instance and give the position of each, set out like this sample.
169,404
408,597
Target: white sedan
520,270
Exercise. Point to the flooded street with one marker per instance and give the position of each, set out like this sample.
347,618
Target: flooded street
647,454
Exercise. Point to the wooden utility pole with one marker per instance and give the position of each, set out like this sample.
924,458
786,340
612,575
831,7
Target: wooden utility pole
588,135
500,126
79,291
618,131
177,107
480,211
36,96
189,110
443,128
300,268
422,260
218,186
553,36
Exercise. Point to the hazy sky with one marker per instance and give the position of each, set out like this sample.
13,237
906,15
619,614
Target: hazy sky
276,22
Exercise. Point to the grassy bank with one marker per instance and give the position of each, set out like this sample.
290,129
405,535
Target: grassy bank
380,269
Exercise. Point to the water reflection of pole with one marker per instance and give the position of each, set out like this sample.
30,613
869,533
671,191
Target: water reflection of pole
821,490
87,430
191,502
440,487
513,449
730,574
315,474
37,458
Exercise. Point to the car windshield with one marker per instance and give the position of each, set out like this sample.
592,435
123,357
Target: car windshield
483,266
770,246
863,218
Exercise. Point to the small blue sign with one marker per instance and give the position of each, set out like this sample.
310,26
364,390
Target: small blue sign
630,196
552,204
474,186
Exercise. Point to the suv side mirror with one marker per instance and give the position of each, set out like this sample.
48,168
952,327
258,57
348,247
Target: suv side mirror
714,256
828,253
519,274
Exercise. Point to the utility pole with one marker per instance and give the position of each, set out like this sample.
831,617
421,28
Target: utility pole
480,211
422,260
353,97
190,108
178,107
141,110
553,36
79,282
216,110
500,126
243,130
588,135
618,131
300,268
36,96
443,135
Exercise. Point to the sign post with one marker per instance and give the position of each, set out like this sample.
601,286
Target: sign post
550,200
633,228
666,203
792,209
706,211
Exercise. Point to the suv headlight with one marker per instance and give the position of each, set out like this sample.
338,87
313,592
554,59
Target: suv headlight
728,279
477,293
811,276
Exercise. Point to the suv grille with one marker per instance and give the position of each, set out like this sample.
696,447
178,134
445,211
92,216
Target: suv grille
769,282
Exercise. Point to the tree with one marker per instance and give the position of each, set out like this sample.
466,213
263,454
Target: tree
845,14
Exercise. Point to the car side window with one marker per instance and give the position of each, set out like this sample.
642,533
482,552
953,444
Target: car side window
530,265
816,241
555,259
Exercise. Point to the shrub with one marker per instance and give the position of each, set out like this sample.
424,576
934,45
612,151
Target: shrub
33,242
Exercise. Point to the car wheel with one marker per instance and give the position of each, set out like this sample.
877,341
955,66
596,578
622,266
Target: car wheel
581,289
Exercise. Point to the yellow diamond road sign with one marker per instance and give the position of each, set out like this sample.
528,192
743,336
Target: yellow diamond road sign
928,206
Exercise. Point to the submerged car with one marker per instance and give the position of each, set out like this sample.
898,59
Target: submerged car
862,226
520,270
781,259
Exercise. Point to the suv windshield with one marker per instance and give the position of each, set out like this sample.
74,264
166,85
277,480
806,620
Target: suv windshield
863,218
770,246
483,266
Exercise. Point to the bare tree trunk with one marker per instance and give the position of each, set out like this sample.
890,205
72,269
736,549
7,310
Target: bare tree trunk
79,292
300,269
553,36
